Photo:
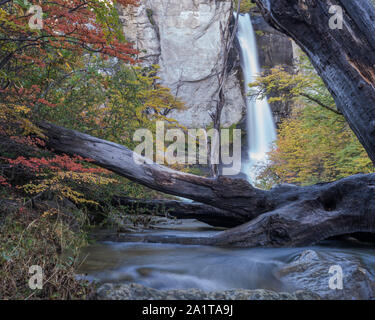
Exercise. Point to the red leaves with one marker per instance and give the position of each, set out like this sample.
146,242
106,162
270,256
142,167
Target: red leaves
56,163
70,29
3,181
70,25
44,101
29,141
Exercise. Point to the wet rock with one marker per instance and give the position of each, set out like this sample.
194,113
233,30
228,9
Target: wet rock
144,272
310,271
110,291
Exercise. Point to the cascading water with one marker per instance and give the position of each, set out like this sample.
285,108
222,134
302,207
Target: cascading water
261,130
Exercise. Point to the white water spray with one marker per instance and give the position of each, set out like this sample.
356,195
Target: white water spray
261,130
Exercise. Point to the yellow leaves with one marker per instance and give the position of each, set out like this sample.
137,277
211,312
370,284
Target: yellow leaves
246,5
59,184
68,66
315,146
21,109
7,21
303,86
16,116
73,195
85,178
50,212
29,128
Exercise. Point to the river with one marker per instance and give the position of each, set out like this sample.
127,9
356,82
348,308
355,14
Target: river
173,266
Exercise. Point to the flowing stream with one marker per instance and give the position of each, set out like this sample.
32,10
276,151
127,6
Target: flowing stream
261,130
173,266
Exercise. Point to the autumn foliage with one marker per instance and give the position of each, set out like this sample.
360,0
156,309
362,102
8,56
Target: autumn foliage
32,60
79,71
315,144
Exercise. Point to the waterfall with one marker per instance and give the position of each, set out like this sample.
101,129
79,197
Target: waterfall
261,130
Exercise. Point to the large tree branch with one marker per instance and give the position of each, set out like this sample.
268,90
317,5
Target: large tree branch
310,215
235,195
286,215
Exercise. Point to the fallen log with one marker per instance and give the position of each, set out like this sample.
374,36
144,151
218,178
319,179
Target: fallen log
234,195
320,212
343,207
286,215
185,210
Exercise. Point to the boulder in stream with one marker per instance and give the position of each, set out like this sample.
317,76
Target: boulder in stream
310,271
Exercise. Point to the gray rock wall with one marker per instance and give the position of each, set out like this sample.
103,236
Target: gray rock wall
184,38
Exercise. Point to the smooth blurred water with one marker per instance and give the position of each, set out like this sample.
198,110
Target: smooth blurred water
172,266
261,131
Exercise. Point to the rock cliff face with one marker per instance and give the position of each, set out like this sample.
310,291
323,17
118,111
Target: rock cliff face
185,39
274,49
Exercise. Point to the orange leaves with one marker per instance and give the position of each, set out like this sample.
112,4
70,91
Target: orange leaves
33,142
56,164
45,102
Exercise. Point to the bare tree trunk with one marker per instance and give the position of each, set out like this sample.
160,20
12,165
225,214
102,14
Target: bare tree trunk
319,212
234,195
229,36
